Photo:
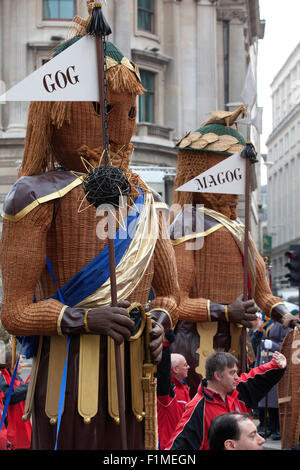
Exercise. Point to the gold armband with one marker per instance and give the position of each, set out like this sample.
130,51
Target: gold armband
165,311
285,315
208,310
85,321
273,306
58,327
226,313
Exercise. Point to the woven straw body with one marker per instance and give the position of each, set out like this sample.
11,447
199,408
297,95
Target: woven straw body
69,135
289,392
213,273
69,239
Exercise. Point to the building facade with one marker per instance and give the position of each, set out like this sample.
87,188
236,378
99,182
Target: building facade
284,166
193,56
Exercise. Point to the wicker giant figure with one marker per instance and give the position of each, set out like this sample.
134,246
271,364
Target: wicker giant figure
56,277
210,274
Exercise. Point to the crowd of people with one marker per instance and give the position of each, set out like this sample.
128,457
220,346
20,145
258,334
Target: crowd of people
218,417
190,423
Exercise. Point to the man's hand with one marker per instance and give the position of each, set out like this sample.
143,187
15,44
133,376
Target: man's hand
280,359
111,321
156,342
290,321
243,312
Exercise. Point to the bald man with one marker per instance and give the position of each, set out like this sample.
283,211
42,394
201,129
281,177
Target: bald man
172,393
179,372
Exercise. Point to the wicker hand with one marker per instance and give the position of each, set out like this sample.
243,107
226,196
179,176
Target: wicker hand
111,321
243,312
156,342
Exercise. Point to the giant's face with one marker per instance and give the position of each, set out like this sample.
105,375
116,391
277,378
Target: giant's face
85,129
121,117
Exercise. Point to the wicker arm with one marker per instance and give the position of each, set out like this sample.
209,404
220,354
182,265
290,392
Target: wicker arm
23,259
165,283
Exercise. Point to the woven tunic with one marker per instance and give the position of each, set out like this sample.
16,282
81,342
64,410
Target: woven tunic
57,229
215,273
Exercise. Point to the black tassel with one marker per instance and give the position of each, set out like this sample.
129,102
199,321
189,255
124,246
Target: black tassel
249,152
98,25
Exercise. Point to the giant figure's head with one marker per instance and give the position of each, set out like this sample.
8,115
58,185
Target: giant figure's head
61,133
198,151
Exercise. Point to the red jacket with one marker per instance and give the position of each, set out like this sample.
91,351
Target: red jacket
182,392
172,396
3,432
192,429
18,431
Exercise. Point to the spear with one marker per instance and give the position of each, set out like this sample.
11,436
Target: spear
112,176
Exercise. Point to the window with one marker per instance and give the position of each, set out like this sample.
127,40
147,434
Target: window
146,101
58,9
146,15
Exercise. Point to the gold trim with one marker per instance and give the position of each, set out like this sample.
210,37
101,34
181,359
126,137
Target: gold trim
32,382
273,306
86,327
161,205
206,332
143,315
110,62
49,197
178,241
59,332
226,313
137,349
88,377
113,402
163,310
57,355
208,310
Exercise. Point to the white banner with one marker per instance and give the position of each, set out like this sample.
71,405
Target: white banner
249,92
70,76
227,177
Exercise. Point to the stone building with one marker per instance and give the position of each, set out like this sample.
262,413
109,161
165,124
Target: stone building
284,165
193,56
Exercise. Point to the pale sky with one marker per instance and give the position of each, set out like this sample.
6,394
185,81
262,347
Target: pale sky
282,35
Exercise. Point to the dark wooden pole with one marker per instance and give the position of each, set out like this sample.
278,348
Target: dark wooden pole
246,261
111,248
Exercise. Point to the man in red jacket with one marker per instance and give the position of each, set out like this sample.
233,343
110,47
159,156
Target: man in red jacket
179,373
223,391
172,393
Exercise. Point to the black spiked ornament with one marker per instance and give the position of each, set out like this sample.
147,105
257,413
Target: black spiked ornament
98,25
105,185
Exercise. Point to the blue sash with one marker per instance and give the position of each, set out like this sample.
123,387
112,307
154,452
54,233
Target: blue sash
94,274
